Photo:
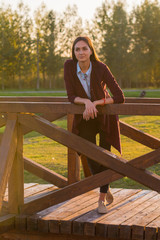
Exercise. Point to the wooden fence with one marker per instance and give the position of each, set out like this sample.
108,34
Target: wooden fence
24,114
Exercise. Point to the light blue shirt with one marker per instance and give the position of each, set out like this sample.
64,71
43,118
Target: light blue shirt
85,78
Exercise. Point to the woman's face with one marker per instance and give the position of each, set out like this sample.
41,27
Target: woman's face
82,51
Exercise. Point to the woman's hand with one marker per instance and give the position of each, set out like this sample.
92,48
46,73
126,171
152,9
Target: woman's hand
90,110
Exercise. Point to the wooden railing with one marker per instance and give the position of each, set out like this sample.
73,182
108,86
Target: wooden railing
19,116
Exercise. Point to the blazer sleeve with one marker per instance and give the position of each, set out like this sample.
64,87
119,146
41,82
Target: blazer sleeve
68,78
112,84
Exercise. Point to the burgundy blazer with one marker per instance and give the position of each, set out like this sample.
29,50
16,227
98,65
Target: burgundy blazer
101,77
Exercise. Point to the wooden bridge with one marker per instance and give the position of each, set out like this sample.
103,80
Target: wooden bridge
66,208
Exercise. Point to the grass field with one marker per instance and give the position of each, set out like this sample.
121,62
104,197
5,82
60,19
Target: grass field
127,92
54,156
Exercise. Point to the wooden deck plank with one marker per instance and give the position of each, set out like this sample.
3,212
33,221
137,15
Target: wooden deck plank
26,186
33,191
155,223
53,223
75,205
150,233
85,210
92,216
138,232
134,214
128,208
37,189
58,208
6,222
119,197
42,193
141,212
68,209
150,214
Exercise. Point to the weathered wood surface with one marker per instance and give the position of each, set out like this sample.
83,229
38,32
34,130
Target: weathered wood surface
121,167
134,214
73,158
16,178
139,136
68,108
31,191
92,182
7,153
104,157
44,173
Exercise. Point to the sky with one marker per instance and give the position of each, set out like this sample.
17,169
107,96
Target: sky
86,8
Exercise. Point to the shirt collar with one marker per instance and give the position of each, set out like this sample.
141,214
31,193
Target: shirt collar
88,71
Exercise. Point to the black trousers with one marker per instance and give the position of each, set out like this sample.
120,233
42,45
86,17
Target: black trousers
88,131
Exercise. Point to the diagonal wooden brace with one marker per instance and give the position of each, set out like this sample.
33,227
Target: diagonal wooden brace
86,185
139,136
92,151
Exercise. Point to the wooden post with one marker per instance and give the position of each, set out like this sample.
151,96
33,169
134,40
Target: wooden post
7,152
16,179
73,158
86,169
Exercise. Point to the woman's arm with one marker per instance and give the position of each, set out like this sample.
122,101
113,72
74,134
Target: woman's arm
103,101
90,108
68,81
117,94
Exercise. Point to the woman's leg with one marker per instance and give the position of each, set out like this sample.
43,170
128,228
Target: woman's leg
105,192
107,146
88,131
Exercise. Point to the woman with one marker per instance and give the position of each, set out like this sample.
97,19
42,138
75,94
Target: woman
86,78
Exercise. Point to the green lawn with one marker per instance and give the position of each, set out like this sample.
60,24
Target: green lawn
54,156
154,93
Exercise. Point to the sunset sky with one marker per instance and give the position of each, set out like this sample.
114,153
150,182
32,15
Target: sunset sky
86,8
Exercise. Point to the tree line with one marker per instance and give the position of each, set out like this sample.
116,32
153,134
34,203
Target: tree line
33,50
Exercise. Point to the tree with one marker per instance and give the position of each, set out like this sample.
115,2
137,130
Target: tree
49,57
53,59
15,47
69,27
40,44
114,39
23,29
8,49
146,44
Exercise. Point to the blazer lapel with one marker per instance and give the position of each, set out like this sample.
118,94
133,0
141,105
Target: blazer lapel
93,80
77,82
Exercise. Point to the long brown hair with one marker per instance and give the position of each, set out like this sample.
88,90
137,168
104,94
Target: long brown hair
87,40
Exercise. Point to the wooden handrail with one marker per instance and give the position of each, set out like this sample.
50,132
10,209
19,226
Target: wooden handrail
66,107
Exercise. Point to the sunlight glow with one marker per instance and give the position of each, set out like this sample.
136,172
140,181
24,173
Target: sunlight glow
86,9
